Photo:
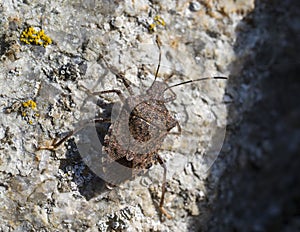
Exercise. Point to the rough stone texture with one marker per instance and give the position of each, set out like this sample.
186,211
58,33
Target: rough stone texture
259,190
251,186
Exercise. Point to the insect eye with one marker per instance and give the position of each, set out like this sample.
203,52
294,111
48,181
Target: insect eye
149,165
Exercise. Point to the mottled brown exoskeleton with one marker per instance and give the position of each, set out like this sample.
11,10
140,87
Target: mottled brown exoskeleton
143,122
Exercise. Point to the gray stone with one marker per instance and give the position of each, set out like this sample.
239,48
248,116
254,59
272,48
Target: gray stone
61,191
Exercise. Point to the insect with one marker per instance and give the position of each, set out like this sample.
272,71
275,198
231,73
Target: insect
140,128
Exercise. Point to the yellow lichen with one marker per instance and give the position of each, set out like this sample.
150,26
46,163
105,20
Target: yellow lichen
29,103
151,27
158,20
31,36
29,111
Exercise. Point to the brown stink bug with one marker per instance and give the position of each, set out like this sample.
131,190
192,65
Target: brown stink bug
138,131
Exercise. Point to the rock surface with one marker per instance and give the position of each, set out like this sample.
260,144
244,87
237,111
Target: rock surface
234,132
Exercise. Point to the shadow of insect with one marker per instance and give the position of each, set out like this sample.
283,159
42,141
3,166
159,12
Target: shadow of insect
138,131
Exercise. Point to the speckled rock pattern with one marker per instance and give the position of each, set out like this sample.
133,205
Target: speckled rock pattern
92,40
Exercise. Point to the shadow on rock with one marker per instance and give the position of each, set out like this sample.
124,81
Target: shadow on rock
87,182
259,189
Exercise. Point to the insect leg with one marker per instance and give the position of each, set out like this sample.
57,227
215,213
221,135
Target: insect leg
126,82
55,144
118,92
163,189
178,132
171,98
98,93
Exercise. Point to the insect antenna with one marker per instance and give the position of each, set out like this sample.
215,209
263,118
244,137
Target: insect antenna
158,43
190,81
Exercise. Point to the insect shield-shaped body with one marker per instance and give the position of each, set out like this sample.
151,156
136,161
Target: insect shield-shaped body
137,132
